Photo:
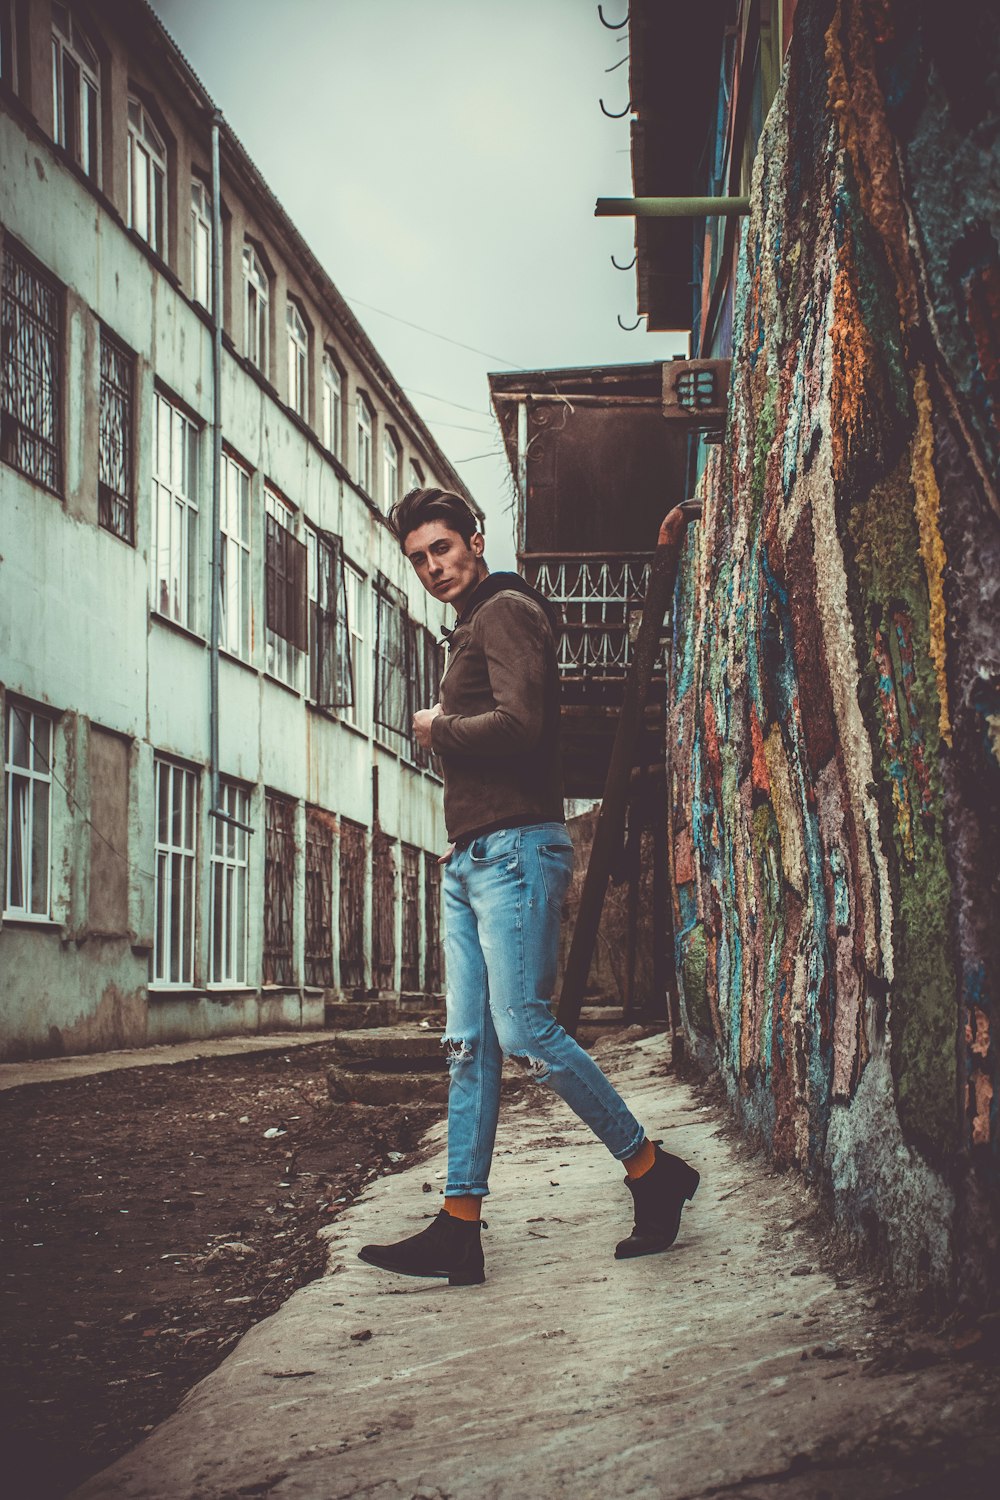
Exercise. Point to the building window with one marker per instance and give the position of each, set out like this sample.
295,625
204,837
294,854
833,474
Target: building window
175,514
392,694
319,897
357,628
28,787
330,683
147,178
409,958
390,470
235,634
423,677
383,911
353,864
8,43
114,487
279,886
414,476
364,425
30,351
176,854
333,407
298,361
256,297
433,962
230,887
285,602
201,244
76,91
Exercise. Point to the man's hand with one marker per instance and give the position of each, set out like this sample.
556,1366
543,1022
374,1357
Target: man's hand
422,721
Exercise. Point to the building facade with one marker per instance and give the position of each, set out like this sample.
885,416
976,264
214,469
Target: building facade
204,832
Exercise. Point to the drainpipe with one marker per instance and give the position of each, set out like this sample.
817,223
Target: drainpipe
215,808
522,472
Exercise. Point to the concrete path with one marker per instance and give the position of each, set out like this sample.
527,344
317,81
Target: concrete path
85,1065
730,1365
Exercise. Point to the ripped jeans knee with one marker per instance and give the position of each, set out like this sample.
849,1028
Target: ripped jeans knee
456,1050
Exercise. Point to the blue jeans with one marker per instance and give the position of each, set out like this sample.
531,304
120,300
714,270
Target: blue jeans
503,895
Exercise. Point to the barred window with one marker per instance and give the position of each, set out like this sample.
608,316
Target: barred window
279,887
433,958
256,295
30,351
364,438
298,361
383,911
409,972
76,91
147,178
330,676
390,471
230,887
176,854
114,488
320,827
28,785
201,243
174,553
333,407
285,592
391,695
353,869
235,632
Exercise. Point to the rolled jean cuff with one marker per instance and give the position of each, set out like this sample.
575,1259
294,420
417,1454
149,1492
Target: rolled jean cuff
632,1147
462,1190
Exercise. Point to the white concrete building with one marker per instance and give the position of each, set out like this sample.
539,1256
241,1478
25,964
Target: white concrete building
182,860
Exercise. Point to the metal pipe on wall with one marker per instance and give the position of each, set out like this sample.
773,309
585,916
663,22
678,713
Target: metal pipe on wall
216,613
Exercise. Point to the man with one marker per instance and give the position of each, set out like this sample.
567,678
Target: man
496,731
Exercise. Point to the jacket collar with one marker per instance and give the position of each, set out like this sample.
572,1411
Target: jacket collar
498,583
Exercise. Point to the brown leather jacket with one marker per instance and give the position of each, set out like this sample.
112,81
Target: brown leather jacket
498,730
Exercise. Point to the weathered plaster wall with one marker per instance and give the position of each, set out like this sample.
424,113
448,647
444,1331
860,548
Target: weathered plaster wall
835,724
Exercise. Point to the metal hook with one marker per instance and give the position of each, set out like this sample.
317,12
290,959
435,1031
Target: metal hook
613,25
623,268
617,64
619,116
634,326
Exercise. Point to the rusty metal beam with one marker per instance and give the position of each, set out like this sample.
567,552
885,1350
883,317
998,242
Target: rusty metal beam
611,821
670,208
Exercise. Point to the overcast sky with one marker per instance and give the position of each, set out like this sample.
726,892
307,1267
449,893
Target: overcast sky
442,158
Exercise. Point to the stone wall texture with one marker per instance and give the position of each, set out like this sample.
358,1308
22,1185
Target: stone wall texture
834,732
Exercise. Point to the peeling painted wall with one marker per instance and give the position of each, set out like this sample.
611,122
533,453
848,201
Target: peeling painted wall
834,728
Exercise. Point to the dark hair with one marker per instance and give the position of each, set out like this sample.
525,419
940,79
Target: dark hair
419,506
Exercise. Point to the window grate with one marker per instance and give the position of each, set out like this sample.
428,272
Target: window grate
114,489
319,897
30,353
279,885
409,974
352,904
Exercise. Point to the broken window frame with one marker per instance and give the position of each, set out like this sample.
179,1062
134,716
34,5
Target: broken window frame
383,911
353,865
176,875
230,875
174,551
115,497
331,677
321,827
278,959
30,369
285,592
392,693
28,814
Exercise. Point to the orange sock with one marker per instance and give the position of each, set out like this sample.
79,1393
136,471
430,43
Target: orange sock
467,1207
640,1161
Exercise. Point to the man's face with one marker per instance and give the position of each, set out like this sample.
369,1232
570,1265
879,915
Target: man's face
447,565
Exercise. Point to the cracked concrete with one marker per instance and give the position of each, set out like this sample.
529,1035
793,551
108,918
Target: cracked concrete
731,1365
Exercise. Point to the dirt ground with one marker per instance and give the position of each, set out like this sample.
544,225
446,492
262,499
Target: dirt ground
149,1218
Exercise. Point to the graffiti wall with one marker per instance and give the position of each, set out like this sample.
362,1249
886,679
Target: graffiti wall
834,737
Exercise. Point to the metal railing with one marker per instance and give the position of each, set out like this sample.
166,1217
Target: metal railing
600,597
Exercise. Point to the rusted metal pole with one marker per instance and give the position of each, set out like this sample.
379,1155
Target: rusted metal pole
607,835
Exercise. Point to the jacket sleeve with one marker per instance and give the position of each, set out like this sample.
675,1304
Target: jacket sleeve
515,640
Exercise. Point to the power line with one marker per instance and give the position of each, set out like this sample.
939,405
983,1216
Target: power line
493,453
432,333
477,411
459,426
